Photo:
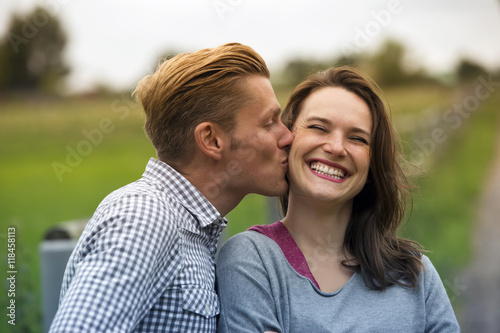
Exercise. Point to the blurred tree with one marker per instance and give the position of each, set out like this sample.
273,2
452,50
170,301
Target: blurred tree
352,60
389,68
387,64
31,54
296,70
469,70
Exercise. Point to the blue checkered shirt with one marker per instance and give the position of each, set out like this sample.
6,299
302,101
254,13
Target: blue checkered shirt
145,261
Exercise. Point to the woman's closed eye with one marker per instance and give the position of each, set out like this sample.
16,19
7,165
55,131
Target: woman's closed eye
317,127
360,139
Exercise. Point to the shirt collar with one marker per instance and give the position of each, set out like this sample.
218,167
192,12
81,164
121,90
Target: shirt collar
184,192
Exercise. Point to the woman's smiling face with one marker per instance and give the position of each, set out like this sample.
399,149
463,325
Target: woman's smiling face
330,156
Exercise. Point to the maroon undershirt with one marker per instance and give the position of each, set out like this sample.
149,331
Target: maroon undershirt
279,233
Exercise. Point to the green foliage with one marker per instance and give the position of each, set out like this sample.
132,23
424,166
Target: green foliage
31,53
445,208
386,66
297,70
251,211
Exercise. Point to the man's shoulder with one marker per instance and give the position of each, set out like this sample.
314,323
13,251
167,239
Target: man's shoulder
136,190
136,203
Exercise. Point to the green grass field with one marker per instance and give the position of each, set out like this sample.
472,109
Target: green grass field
60,158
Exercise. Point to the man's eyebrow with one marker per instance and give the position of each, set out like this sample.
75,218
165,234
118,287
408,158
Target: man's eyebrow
273,112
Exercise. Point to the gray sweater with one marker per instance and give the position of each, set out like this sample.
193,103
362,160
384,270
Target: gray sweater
260,291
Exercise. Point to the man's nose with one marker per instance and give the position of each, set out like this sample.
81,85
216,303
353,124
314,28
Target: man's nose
286,137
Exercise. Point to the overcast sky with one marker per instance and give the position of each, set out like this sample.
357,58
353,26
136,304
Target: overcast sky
117,42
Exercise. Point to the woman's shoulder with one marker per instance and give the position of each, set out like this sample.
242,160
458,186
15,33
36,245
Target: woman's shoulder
246,239
250,245
264,234
429,276
428,266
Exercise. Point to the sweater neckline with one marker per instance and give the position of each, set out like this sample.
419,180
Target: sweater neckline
278,232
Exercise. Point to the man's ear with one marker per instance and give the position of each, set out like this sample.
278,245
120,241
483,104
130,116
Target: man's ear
210,139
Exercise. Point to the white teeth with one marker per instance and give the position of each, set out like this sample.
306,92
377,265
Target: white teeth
327,171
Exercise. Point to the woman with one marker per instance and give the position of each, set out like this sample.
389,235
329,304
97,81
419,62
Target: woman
335,262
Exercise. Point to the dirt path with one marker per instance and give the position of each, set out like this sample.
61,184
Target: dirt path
481,282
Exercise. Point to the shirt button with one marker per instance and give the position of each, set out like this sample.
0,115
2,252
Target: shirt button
207,309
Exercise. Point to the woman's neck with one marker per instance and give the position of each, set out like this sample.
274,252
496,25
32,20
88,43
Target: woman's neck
317,226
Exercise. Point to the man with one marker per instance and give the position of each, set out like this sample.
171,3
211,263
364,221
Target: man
145,262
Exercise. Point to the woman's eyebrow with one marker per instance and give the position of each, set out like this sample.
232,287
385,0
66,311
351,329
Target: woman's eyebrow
320,119
360,130
326,121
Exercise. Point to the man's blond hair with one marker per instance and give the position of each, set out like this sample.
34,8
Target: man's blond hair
192,88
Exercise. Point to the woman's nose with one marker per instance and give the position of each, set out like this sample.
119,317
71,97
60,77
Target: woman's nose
335,146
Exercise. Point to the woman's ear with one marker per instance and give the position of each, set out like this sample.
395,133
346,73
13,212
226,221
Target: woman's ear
210,139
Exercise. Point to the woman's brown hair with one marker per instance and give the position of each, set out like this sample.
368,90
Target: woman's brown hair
371,237
190,88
